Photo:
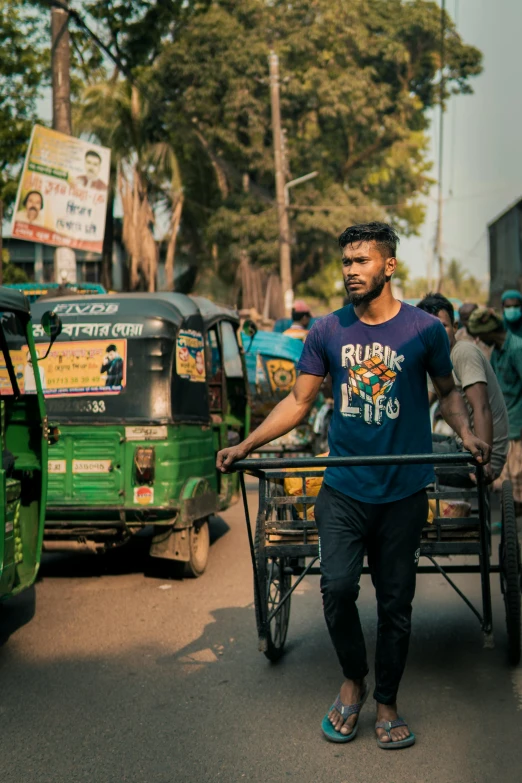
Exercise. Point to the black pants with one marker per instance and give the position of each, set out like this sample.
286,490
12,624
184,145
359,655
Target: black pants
390,533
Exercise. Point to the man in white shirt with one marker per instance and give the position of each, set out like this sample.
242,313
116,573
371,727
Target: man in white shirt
476,381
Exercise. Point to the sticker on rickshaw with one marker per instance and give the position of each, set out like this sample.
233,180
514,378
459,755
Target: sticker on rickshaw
190,356
144,495
57,466
82,367
260,370
282,374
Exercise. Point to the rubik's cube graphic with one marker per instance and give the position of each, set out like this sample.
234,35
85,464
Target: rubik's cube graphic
370,379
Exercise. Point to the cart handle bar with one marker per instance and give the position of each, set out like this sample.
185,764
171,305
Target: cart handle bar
345,462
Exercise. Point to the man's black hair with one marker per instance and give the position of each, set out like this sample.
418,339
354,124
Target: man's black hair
434,303
93,154
24,202
384,236
298,316
110,348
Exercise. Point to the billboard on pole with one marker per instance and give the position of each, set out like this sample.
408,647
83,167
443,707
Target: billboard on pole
62,194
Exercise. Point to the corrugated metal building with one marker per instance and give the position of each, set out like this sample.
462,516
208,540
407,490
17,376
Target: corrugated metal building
505,252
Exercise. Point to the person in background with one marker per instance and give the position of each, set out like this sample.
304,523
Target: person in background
506,360
512,311
463,334
477,383
301,317
464,314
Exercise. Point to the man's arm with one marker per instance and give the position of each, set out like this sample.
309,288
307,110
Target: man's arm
477,395
284,417
453,409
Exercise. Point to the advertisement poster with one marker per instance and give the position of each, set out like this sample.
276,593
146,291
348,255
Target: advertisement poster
190,356
62,194
282,374
76,368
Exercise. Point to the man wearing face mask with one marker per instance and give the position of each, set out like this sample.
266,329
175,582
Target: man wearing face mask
512,310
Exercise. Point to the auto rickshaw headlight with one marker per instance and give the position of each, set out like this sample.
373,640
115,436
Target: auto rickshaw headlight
144,459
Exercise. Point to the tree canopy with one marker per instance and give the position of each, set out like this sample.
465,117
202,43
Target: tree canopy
357,82
23,69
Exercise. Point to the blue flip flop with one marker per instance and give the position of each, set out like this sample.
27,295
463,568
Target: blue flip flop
388,725
346,710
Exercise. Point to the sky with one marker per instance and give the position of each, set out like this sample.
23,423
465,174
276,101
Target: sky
482,169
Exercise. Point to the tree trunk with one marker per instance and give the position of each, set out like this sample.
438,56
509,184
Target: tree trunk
138,219
171,247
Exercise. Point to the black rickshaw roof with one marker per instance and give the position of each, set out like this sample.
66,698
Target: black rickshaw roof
210,311
10,299
168,305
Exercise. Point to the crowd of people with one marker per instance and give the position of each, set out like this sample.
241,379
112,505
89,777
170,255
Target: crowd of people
486,352
500,335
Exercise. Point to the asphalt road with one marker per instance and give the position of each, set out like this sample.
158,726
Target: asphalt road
111,673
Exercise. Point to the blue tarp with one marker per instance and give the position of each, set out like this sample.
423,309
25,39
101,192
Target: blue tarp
271,345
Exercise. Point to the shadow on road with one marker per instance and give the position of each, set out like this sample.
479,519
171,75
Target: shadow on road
215,709
16,612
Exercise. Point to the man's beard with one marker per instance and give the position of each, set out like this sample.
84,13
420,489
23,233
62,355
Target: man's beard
376,289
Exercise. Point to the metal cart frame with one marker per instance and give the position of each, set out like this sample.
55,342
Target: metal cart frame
285,544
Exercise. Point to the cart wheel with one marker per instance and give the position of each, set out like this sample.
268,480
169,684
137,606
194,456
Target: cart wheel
276,573
199,544
510,570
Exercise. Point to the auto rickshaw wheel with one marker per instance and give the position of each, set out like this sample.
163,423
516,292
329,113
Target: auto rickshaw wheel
199,546
510,571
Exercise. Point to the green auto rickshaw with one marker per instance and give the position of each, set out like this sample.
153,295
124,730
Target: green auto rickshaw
25,434
145,389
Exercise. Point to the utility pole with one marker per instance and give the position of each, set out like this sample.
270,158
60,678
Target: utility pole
282,213
64,257
440,203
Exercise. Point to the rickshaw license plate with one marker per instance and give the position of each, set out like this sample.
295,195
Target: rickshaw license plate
91,465
146,433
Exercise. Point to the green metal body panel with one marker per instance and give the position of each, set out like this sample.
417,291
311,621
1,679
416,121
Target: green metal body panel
186,453
23,496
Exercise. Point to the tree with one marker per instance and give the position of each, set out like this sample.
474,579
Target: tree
147,173
358,80
21,76
20,80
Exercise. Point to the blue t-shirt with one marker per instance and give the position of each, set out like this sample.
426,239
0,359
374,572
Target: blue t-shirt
380,395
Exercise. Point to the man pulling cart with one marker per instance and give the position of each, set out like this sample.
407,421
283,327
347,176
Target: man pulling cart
377,351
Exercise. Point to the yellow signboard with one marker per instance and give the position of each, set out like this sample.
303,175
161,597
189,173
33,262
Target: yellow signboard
62,195
72,368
